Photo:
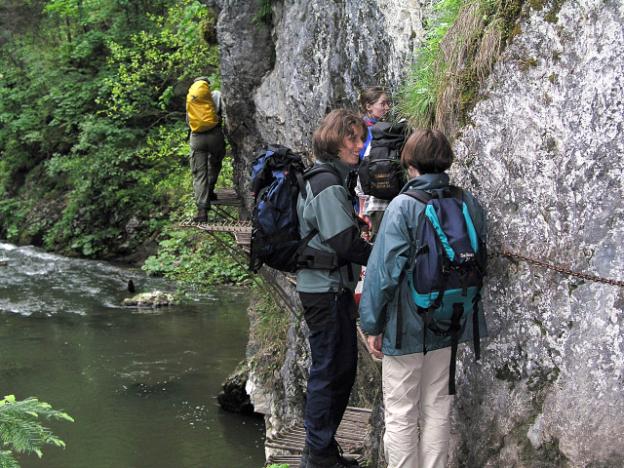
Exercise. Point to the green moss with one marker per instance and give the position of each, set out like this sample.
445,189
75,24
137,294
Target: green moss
547,455
265,12
553,78
537,4
509,13
527,63
552,16
554,6
429,77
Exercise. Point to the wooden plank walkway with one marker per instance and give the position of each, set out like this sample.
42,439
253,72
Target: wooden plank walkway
288,444
240,229
226,197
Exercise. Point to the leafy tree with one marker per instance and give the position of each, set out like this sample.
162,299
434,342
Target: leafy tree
92,136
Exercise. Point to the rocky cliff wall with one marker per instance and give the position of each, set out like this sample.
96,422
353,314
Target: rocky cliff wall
280,79
543,152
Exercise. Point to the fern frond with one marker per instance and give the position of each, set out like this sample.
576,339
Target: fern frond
21,430
7,460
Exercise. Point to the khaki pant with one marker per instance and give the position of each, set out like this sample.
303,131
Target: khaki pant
207,153
415,389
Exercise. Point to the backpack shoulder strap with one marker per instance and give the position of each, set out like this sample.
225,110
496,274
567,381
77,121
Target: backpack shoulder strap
456,192
419,195
321,169
314,171
425,197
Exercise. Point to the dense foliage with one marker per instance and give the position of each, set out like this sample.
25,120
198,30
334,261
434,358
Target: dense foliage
91,128
21,430
92,133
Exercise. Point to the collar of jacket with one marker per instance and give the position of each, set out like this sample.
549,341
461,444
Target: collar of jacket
427,182
343,169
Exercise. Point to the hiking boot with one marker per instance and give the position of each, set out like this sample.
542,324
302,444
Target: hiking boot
330,461
202,215
346,461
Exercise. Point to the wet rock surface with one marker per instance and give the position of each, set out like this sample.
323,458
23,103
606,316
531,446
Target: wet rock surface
233,397
149,299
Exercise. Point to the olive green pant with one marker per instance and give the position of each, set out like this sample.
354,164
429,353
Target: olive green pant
207,153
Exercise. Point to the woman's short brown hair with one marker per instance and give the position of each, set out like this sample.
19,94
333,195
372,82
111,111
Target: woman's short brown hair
330,134
369,96
429,151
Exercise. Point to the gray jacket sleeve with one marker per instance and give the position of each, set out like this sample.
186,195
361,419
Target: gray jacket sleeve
337,225
383,273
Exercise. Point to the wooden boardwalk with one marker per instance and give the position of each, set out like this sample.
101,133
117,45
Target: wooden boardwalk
287,445
226,197
224,221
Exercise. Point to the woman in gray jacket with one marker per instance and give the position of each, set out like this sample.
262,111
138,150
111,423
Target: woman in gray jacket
326,285
415,383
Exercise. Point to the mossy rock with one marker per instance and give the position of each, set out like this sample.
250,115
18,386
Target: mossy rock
150,299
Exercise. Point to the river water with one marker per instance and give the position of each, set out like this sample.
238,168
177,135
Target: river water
140,383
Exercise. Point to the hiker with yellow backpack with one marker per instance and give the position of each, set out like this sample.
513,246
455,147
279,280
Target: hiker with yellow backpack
203,115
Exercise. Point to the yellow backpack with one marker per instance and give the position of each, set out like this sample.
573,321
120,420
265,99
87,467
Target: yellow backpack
200,108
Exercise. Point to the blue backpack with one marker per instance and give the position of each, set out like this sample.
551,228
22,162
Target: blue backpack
447,270
277,177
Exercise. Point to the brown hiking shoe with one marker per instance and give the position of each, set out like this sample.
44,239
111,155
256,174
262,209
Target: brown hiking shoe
202,215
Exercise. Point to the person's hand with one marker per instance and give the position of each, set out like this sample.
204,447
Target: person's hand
374,345
365,225
368,221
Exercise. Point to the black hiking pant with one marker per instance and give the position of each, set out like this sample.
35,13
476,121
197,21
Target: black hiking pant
333,345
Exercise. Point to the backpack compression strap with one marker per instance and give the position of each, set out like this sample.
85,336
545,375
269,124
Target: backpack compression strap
328,262
424,198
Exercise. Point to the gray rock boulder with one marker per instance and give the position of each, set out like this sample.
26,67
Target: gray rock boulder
149,299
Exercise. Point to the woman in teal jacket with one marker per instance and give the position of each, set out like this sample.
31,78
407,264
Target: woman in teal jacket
414,384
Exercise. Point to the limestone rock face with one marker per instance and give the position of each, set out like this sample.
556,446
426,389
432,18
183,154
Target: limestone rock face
279,80
544,154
